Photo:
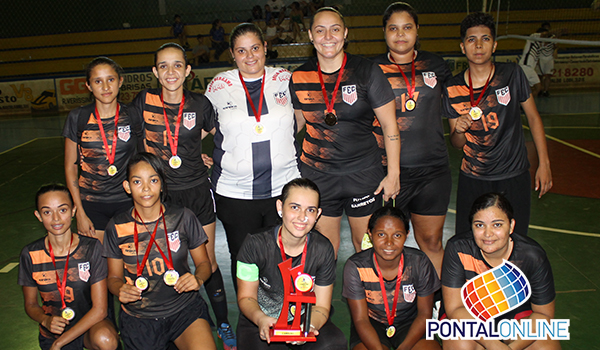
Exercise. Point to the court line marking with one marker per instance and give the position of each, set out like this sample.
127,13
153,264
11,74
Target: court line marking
30,170
575,291
551,229
28,142
8,267
569,144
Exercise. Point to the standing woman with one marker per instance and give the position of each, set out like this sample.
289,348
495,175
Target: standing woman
260,283
100,138
175,122
255,152
69,273
338,96
147,249
417,78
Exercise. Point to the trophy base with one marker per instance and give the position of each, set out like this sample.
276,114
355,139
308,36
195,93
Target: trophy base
286,334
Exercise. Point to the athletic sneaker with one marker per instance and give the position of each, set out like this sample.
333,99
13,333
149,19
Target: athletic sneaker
227,335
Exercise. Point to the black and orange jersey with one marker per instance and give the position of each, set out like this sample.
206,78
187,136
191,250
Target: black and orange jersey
361,281
349,145
184,232
198,115
495,148
95,185
463,261
86,267
421,130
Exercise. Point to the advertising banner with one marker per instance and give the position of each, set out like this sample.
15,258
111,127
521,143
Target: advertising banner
27,96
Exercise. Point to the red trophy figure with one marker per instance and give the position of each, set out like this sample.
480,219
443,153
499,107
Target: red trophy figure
298,292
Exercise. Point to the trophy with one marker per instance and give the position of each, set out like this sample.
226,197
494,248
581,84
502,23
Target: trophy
296,293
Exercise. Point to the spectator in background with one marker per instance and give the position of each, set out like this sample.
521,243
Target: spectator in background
547,54
296,20
529,60
178,31
277,10
201,52
257,13
315,5
268,13
217,37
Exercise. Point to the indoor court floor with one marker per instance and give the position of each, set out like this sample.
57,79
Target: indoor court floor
564,222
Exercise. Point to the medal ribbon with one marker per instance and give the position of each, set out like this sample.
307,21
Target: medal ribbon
473,102
335,89
173,140
410,87
390,315
283,258
61,285
257,115
110,153
140,268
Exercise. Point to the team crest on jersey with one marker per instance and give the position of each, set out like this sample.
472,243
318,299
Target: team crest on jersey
349,94
409,293
124,132
189,120
174,242
430,79
503,95
281,98
84,271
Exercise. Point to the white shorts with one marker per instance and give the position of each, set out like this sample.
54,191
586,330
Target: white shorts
546,64
531,75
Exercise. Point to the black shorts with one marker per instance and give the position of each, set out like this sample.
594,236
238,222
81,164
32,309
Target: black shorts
76,344
156,333
516,189
198,199
393,342
352,193
101,212
426,190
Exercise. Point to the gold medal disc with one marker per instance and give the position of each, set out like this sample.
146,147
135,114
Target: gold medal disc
410,104
112,170
303,282
175,162
390,331
141,283
259,129
170,277
475,113
68,313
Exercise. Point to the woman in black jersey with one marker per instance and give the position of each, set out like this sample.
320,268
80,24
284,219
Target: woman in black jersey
417,78
69,274
100,139
492,243
175,122
338,96
147,250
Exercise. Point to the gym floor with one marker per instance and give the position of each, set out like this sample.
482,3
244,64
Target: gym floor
563,221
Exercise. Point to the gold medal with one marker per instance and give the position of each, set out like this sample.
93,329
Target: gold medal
293,309
141,283
475,113
390,331
170,277
410,104
68,313
175,162
112,170
303,282
330,119
259,129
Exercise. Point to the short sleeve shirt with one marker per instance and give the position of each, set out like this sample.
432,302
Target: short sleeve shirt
184,233
495,147
463,261
250,164
348,146
261,251
198,115
361,281
421,130
86,267
95,185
